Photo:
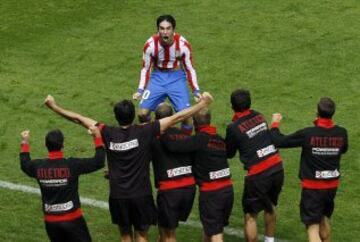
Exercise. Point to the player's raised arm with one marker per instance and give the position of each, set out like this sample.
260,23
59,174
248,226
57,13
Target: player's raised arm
70,115
167,122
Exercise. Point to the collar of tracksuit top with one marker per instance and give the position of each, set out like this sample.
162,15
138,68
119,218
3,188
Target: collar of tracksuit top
326,123
238,115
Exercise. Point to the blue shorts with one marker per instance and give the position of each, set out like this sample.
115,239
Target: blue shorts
171,84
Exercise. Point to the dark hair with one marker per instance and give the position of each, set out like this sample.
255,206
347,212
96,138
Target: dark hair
203,117
326,107
167,18
240,100
163,110
54,140
124,112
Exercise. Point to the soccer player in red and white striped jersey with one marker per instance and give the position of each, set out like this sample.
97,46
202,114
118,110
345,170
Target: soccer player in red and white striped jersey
167,64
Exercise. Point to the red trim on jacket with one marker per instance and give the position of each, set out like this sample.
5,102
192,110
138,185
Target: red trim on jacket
211,130
52,155
326,123
98,142
275,125
178,183
264,165
25,148
215,185
100,126
64,217
238,115
319,184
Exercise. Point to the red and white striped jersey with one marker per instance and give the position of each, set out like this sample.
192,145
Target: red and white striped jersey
167,57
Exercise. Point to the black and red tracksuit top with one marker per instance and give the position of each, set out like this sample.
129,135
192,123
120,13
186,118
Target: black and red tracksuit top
58,180
210,168
171,169
128,157
322,147
249,134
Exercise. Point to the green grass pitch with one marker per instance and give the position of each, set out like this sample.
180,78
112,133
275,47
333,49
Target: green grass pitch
88,55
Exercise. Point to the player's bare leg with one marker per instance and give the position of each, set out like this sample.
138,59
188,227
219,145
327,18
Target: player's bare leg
213,238
205,238
313,232
250,228
167,235
141,236
126,237
270,223
325,229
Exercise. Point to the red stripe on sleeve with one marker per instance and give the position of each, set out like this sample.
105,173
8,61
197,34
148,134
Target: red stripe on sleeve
101,126
98,142
25,148
275,125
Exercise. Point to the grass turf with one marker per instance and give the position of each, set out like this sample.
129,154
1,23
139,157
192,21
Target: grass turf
88,55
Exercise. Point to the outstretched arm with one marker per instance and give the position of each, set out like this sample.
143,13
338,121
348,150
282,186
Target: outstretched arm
285,141
25,159
87,165
167,122
70,115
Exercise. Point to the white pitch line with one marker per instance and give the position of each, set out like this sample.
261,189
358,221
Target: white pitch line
104,205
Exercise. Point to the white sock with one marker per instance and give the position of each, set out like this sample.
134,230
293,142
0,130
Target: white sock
269,239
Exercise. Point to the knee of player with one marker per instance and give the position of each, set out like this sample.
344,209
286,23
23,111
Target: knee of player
169,233
250,218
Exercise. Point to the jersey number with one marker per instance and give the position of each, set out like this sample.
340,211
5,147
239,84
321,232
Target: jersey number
145,95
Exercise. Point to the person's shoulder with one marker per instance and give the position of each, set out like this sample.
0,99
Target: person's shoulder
150,40
255,112
341,128
183,40
232,124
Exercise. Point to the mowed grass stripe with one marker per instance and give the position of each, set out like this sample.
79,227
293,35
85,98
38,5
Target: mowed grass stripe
104,205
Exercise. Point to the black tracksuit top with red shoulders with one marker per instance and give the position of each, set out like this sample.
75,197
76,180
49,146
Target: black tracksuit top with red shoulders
249,134
58,180
171,169
322,147
210,167
128,156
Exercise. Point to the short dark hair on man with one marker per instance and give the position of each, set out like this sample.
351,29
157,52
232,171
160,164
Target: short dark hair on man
124,112
163,110
240,100
54,140
167,18
203,117
326,107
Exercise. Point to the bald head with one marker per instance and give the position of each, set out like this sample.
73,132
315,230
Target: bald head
203,117
163,110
